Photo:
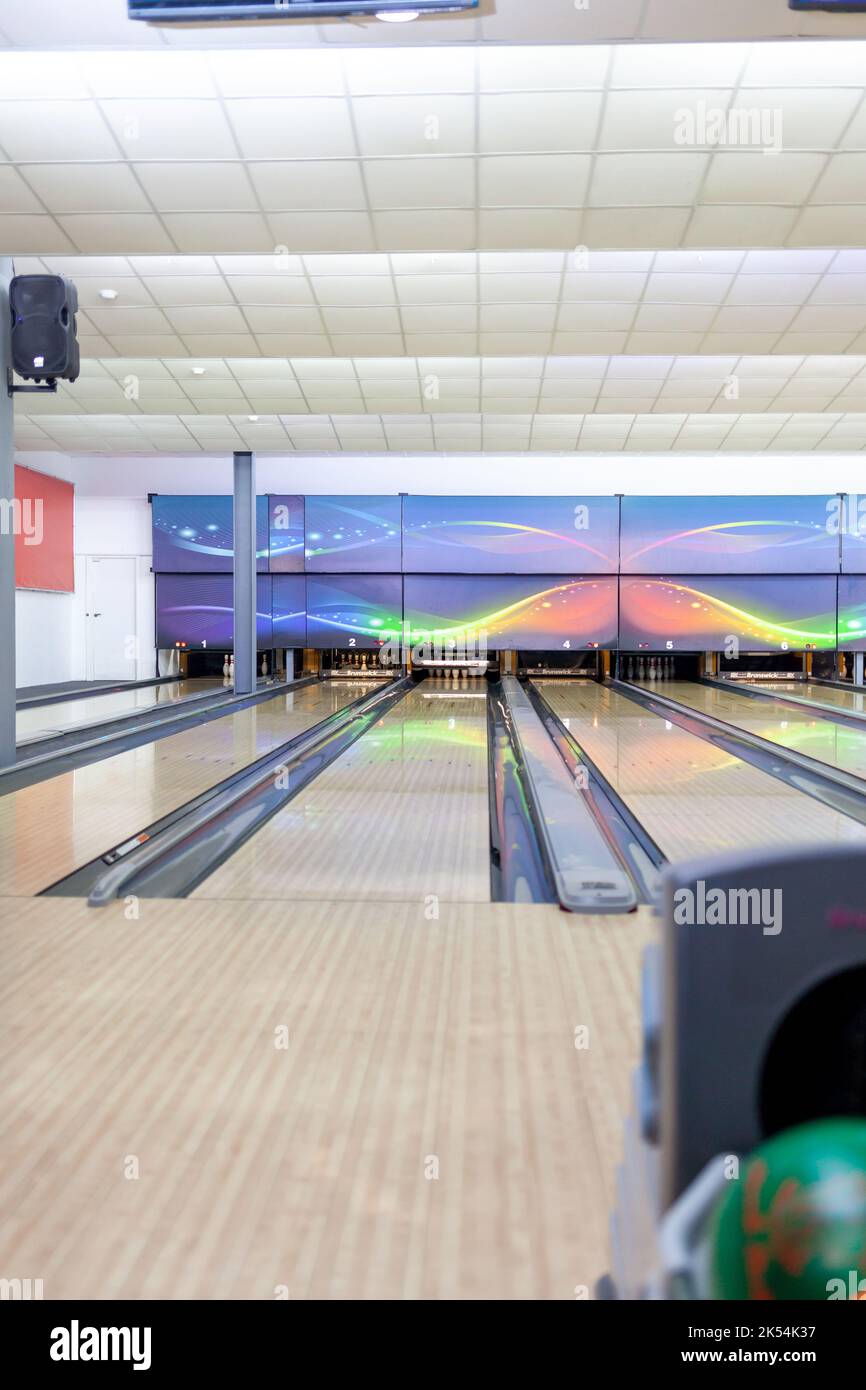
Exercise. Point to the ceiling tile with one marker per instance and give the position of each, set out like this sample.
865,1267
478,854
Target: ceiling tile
543,180
651,179
292,127
228,231
420,183
54,130
308,184
413,125
184,187
121,232
157,129
542,121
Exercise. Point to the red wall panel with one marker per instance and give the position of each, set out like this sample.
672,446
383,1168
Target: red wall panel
43,532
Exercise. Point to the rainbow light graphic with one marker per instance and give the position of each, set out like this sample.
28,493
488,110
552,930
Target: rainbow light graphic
509,535
729,535
764,613
531,613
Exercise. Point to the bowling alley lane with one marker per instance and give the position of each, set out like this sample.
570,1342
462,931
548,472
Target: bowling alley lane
43,721
50,829
848,699
800,730
402,815
692,797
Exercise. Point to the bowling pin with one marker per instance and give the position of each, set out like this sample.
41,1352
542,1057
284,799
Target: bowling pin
232,667
364,662
264,665
226,667
640,668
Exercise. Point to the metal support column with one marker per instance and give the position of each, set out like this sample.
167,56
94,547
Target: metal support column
246,672
7,530
858,668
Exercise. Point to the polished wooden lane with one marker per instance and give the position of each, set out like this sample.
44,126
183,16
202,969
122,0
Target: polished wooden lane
851,698
800,730
692,798
43,721
402,815
429,1131
49,829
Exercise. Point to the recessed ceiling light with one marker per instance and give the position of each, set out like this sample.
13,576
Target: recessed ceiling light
198,371
253,419
108,294
397,16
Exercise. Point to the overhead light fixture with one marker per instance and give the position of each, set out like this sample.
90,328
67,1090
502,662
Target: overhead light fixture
198,371
253,419
397,16
108,294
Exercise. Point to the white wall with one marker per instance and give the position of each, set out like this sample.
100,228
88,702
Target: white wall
475,474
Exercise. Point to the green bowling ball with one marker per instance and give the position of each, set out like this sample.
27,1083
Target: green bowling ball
793,1225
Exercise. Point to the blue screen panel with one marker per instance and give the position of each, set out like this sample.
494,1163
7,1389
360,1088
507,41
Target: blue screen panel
510,535
195,534
196,610
289,609
356,611
729,535
286,534
353,535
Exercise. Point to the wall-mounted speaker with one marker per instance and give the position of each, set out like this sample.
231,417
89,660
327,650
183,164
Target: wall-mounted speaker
44,345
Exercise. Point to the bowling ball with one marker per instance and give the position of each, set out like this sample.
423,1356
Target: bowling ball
793,1225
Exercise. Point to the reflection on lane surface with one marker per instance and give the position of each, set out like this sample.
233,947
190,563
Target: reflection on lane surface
402,815
835,744
43,720
851,700
692,797
81,814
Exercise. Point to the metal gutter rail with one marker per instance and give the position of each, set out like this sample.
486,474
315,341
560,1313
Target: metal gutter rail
587,874
173,861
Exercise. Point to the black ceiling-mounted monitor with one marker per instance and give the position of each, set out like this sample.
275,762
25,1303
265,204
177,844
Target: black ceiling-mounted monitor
830,6
221,11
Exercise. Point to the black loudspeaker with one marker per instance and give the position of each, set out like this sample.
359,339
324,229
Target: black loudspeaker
44,345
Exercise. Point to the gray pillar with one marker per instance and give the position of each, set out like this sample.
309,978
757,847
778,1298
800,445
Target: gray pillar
858,668
246,670
7,532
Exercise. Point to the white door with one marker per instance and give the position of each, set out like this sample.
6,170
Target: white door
111,618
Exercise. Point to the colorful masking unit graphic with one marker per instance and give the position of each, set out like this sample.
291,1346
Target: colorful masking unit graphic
851,626
704,612
852,528
286,534
529,613
196,611
352,535
510,535
195,534
359,610
289,610
729,535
